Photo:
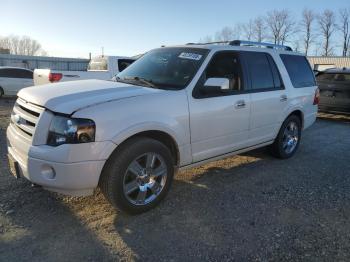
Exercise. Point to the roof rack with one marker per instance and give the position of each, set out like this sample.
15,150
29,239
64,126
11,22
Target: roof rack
211,43
247,43
261,44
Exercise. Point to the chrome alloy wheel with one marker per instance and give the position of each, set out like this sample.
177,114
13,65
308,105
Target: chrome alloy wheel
145,178
290,137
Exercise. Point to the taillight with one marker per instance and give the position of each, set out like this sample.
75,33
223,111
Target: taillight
55,77
317,96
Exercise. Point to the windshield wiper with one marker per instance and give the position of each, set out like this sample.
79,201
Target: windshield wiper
142,80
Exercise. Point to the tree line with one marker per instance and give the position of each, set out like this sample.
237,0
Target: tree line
21,45
325,33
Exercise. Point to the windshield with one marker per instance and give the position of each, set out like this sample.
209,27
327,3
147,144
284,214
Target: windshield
166,68
98,63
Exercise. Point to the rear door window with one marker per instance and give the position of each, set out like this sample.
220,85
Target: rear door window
299,70
21,73
262,70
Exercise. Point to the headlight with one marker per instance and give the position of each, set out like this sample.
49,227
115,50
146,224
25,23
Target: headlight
65,130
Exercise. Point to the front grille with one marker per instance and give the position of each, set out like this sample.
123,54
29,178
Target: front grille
25,117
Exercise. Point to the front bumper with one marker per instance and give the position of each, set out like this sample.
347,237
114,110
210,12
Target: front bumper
67,169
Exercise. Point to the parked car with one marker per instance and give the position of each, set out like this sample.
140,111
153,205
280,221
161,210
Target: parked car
334,87
174,108
13,79
102,67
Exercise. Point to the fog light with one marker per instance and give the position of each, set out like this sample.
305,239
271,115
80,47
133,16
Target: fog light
48,172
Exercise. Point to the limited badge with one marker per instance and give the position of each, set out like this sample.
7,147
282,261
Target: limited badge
191,56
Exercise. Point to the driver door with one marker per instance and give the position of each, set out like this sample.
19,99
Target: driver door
220,121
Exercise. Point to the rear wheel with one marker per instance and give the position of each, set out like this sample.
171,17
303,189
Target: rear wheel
288,139
138,175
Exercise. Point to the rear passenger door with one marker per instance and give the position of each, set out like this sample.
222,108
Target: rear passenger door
24,78
268,96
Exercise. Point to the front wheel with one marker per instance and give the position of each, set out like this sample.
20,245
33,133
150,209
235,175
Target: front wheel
138,175
288,138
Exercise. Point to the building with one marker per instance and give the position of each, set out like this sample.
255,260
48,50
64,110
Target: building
323,62
4,51
55,63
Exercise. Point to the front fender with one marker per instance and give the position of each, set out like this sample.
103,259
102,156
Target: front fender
146,126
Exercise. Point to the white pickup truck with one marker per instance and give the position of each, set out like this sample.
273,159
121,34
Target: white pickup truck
101,67
174,108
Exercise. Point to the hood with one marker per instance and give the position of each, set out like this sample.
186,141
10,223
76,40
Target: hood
68,97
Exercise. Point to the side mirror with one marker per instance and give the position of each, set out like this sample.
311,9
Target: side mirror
216,85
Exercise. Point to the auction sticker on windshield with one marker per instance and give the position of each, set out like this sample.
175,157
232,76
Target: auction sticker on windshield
191,56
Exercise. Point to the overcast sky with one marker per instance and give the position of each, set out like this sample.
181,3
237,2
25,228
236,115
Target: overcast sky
73,28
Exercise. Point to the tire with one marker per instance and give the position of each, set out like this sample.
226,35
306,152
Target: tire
1,92
288,138
131,182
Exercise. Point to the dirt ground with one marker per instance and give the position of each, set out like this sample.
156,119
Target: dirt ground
251,207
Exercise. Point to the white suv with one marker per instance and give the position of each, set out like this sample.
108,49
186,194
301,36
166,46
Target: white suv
174,108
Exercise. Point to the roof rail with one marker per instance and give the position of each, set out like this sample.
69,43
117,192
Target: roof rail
210,43
260,44
247,43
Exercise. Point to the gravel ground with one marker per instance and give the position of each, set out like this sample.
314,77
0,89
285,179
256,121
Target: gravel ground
251,207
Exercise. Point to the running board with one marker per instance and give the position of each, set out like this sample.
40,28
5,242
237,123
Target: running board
220,157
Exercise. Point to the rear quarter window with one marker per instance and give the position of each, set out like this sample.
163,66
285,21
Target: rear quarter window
299,70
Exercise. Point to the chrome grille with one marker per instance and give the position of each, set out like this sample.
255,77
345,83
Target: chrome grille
25,117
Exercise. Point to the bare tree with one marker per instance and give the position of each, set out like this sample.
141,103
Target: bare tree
327,24
228,33
308,17
206,39
248,30
259,29
20,45
225,34
296,45
280,25
344,28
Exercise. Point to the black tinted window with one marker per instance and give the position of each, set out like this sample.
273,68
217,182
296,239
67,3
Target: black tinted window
259,70
20,73
16,73
299,70
226,65
6,73
124,63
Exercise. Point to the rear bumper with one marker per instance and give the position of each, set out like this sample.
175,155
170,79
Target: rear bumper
327,108
60,169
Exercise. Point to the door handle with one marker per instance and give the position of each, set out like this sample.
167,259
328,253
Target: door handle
240,104
283,98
